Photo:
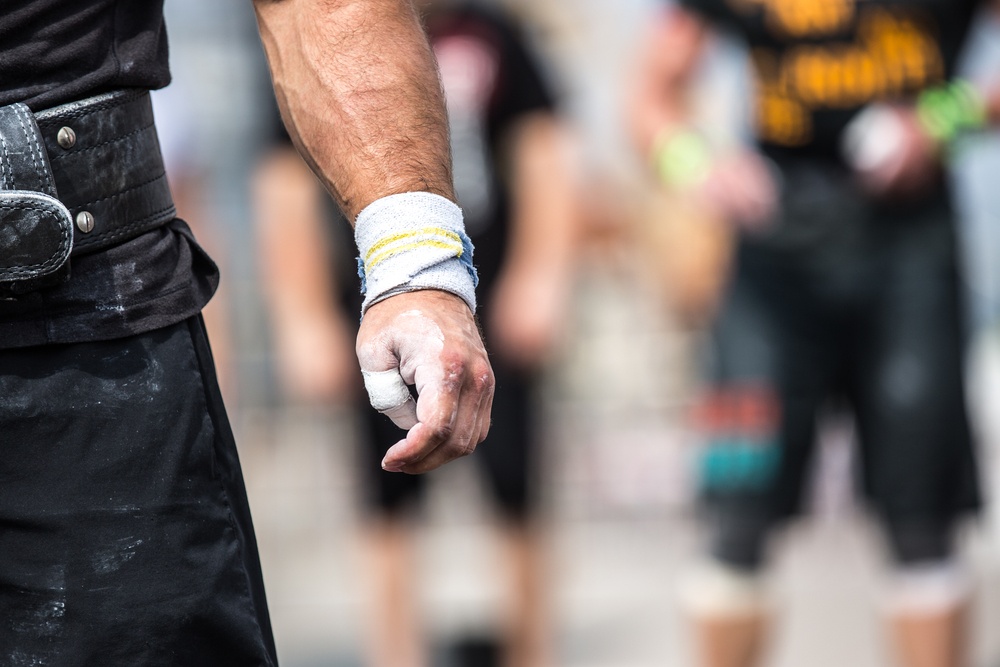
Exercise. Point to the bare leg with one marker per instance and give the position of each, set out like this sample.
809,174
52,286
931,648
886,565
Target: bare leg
395,636
730,640
730,615
931,639
928,609
527,616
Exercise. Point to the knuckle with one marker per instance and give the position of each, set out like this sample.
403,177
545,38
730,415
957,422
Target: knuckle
443,432
453,362
483,380
453,371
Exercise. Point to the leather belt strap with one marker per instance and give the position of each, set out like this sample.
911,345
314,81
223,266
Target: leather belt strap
76,179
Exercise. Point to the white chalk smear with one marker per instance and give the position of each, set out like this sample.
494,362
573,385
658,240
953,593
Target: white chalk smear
415,323
389,395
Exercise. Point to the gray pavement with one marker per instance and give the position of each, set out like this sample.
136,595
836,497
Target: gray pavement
614,566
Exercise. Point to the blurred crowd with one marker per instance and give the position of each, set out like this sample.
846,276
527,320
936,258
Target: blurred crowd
737,276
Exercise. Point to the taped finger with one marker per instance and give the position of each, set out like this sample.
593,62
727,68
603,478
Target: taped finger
388,393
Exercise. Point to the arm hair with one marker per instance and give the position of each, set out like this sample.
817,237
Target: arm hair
359,92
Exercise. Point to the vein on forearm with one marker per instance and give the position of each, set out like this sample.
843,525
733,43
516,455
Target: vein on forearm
359,93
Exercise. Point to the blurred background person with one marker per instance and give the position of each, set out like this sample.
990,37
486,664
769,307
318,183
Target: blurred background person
514,180
844,286
203,129
615,493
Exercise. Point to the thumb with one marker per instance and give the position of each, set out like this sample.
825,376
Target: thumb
389,394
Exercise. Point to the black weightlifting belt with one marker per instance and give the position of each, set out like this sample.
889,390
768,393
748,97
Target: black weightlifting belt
75,179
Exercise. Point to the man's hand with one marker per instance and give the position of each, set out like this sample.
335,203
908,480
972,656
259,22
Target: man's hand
741,188
431,339
891,153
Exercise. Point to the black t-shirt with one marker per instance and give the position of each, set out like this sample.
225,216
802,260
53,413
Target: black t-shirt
55,51
818,62
491,81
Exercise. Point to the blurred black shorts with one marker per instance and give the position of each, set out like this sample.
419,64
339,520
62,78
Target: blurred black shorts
506,456
851,302
125,535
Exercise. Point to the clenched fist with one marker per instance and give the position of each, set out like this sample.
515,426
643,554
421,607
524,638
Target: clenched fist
427,339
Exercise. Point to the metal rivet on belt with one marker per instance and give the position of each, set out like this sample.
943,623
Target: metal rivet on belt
85,221
66,137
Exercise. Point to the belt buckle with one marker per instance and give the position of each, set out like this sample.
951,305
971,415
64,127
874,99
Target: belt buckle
36,238
36,229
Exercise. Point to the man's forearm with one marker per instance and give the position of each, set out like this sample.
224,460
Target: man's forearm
659,98
544,200
358,90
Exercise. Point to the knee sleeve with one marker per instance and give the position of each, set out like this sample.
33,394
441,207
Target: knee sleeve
717,589
928,588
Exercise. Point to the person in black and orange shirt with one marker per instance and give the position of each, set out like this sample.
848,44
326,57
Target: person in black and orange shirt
844,286
125,532
511,168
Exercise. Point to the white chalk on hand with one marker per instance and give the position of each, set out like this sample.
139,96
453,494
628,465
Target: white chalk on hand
873,139
389,394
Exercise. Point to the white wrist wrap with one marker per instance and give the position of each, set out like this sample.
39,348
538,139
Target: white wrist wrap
413,241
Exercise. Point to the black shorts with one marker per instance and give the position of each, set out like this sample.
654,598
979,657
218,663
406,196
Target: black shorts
506,456
845,301
125,535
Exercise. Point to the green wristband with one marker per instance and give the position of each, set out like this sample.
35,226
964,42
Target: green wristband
682,158
947,111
